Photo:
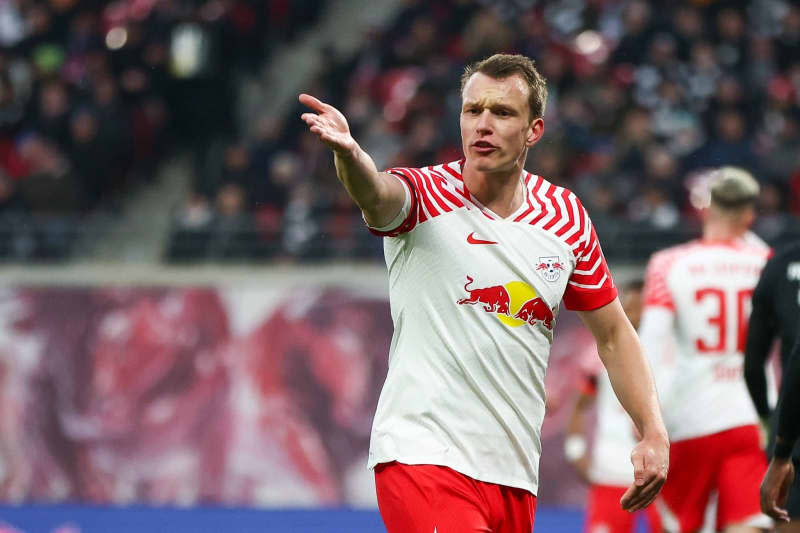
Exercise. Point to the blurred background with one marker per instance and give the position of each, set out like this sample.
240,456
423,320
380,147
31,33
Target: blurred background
192,314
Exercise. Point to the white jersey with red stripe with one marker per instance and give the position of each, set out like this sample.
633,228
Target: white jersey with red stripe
473,299
701,290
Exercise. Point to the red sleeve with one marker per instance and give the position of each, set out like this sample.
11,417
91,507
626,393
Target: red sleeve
656,291
590,286
411,219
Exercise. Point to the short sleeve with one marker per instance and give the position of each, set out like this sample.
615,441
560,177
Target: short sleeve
590,286
656,291
407,218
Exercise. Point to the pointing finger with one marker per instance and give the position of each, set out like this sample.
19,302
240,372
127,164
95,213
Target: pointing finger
317,105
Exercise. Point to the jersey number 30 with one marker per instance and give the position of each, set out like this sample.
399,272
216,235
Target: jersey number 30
719,320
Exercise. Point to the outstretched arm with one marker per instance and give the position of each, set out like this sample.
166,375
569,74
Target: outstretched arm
630,376
379,195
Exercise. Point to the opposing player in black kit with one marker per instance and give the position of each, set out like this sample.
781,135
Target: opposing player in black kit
781,471
776,312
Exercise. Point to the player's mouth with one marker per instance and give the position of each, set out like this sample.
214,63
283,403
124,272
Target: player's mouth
483,147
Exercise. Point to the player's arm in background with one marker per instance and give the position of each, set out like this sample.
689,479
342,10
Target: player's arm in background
382,197
624,359
575,442
656,328
761,331
781,472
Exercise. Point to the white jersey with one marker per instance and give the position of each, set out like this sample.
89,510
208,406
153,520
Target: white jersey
613,439
473,300
704,288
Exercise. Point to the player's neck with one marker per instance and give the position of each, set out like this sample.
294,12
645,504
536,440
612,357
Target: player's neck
502,192
719,232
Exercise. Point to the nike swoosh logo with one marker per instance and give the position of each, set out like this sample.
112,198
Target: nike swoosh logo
474,240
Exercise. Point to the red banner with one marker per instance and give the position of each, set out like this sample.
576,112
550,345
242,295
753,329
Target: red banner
240,396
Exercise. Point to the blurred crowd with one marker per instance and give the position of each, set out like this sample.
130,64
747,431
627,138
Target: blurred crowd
643,97
95,94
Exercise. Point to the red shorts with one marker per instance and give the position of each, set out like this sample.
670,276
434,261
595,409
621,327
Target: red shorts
729,462
605,514
428,498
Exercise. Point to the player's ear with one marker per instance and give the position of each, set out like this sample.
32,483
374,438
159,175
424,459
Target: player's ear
535,132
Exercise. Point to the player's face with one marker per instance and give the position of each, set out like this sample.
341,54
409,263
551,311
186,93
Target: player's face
496,126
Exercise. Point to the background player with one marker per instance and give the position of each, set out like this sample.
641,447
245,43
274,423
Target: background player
699,292
456,436
776,312
608,470
781,472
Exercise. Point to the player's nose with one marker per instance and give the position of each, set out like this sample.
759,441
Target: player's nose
484,123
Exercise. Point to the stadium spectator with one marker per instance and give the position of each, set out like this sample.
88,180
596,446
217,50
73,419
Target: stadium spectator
232,227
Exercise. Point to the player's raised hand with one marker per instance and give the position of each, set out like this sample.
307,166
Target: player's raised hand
650,458
329,124
775,488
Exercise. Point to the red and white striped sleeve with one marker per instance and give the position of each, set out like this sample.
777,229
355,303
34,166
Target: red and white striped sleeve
656,291
590,286
429,195
406,219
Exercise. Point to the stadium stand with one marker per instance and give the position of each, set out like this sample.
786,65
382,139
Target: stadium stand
639,103
96,97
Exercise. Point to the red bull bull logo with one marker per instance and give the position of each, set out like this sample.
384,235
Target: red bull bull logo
515,303
535,310
494,299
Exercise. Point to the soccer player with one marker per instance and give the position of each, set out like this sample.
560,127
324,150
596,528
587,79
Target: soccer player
776,312
781,471
480,254
698,294
607,469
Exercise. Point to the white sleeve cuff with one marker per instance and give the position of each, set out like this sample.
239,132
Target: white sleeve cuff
401,215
